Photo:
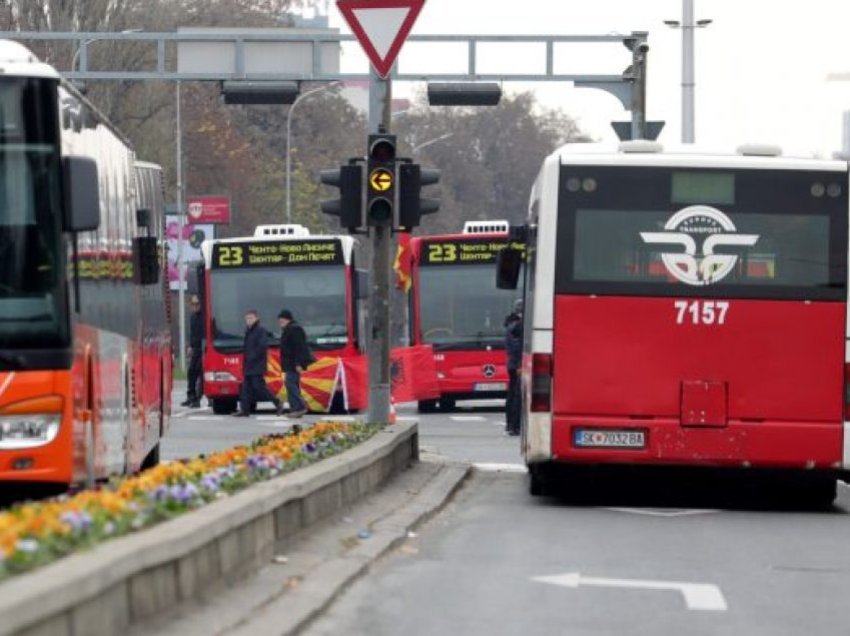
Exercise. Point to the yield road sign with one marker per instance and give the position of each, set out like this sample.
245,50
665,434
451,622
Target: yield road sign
381,180
381,27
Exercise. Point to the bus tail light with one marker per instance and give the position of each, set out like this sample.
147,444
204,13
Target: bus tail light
541,382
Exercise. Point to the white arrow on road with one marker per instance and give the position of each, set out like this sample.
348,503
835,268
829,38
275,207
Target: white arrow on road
698,596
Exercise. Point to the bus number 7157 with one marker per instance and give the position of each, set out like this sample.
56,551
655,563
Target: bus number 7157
706,312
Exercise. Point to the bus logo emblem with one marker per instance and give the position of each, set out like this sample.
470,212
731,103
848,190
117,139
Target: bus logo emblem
706,228
489,370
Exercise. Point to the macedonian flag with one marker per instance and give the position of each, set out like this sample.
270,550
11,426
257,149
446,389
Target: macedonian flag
403,263
318,383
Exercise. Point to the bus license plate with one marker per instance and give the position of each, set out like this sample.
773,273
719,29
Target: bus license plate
491,386
596,438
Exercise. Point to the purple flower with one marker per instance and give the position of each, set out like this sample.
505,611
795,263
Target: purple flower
183,493
79,521
211,482
160,493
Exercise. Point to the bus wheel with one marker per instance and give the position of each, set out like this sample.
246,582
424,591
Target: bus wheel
223,406
537,485
447,404
427,406
152,458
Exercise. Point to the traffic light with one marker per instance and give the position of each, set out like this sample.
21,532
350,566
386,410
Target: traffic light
349,206
412,178
380,179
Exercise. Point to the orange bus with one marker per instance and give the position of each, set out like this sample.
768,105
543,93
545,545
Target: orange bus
85,349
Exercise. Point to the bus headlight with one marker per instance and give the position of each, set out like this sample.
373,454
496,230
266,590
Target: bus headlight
28,430
219,376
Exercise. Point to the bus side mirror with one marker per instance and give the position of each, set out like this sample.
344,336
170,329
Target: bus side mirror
146,260
508,263
80,194
362,282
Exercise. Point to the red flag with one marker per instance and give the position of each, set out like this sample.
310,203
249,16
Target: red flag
403,263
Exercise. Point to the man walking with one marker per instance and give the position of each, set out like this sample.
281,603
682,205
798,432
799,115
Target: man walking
195,372
513,350
255,353
295,357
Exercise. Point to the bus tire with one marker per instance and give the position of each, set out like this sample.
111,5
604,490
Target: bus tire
537,486
152,458
447,404
426,406
223,406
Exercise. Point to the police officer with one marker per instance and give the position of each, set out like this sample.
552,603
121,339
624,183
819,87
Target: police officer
255,352
513,351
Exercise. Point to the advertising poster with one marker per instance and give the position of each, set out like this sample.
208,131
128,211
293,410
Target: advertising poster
193,236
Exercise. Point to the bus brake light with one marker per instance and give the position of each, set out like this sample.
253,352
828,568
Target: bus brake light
541,382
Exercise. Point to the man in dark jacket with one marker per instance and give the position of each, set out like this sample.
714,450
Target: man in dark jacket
295,357
513,350
195,372
255,353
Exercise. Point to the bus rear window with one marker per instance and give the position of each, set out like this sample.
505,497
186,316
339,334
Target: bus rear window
784,238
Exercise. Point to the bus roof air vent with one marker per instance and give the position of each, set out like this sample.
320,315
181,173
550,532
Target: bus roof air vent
281,230
486,227
759,150
640,145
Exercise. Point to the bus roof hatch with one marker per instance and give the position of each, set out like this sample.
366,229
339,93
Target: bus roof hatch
486,227
281,230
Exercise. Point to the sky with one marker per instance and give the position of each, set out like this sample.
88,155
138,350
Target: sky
761,66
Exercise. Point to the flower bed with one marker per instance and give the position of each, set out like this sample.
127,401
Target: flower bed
35,533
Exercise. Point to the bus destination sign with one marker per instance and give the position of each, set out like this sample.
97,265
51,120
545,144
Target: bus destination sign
464,252
276,254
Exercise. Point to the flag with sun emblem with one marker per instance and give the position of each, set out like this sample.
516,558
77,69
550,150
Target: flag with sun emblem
318,383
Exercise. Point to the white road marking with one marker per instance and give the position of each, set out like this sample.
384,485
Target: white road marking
468,418
493,467
654,512
698,596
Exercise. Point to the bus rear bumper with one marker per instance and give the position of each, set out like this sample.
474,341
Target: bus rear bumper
741,444
36,465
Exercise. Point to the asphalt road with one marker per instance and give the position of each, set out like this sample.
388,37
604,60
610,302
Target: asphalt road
617,554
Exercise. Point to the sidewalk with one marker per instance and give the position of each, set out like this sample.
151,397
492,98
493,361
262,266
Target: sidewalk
307,575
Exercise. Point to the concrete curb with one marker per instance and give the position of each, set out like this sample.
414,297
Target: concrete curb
295,610
133,578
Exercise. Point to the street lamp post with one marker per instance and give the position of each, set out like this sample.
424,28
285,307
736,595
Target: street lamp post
289,145
83,48
430,141
688,82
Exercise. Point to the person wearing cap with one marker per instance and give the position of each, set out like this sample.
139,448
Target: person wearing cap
254,362
513,351
295,357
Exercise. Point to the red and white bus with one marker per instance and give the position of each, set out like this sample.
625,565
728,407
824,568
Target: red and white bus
85,351
686,308
281,266
456,309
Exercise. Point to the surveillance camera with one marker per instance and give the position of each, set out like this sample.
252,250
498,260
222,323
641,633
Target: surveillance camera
643,47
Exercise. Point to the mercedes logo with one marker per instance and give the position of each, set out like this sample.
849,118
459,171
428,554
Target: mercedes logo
489,370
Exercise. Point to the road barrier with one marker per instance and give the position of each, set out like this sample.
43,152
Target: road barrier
134,578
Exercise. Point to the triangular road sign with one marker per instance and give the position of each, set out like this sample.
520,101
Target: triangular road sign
381,27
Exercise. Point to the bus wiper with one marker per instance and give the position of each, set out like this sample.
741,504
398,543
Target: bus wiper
13,361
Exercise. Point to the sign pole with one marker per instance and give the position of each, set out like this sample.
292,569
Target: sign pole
380,99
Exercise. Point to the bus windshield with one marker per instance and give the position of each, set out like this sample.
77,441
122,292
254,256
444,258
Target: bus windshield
315,295
33,305
461,308
663,232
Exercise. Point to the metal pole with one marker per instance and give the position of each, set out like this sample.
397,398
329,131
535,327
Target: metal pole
380,97
639,54
181,275
289,146
688,81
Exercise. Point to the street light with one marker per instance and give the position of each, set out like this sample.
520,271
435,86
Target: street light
431,141
289,144
688,83
89,41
